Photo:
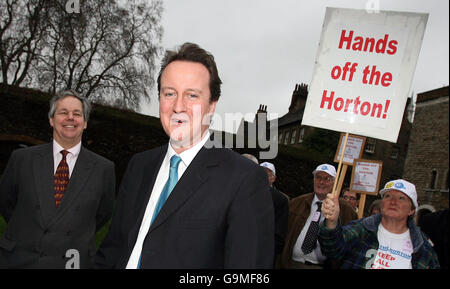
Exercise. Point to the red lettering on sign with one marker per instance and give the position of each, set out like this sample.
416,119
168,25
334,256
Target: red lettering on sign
365,108
367,44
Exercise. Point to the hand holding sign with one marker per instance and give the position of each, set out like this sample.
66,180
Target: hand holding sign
330,209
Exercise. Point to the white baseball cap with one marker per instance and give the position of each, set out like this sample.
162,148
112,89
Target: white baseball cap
329,169
270,166
403,186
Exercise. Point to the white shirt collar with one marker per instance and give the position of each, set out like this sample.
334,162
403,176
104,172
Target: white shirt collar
315,200
188,155
57,148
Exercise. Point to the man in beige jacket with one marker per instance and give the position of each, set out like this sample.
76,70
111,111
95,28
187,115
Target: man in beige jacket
301,249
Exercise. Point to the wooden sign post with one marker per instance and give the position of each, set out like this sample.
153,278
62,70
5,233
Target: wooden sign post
352,146
333,192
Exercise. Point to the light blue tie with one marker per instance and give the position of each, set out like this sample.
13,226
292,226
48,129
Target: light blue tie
168,187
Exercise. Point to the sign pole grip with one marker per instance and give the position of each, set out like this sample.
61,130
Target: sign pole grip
362,203
341,179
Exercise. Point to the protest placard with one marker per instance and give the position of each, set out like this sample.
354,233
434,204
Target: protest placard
353,149
366,176
365,180
363,73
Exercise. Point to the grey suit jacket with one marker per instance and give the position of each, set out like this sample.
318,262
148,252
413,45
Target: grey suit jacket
39,235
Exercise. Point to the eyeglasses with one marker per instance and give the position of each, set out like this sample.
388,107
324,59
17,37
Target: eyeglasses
349,198
325,179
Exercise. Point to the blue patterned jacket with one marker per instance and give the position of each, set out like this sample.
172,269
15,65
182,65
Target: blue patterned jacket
356,244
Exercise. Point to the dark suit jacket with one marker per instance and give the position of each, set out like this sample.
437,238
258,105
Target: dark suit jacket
219,215
281,207
435,225
38,234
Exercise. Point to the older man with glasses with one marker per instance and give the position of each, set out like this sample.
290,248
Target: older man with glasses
302,250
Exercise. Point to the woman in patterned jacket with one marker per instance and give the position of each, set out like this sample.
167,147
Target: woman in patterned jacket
389,240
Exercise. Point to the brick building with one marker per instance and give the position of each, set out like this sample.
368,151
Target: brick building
427,160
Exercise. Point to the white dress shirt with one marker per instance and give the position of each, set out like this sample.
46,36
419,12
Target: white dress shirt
315,256
71,157
163,175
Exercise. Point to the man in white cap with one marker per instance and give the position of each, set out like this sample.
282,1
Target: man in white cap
390,240
281,209
302,250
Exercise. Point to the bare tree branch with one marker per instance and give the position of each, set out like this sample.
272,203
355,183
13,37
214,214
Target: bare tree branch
107,52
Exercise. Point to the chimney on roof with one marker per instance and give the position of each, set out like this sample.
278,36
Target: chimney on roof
262,109
299,95
262,113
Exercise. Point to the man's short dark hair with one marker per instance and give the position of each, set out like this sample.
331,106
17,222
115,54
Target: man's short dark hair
192,52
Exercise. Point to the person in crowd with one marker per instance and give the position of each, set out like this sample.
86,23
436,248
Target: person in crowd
302,250
281,209
186,204
435,225
389,240
351,197
375,207
55,196
251,157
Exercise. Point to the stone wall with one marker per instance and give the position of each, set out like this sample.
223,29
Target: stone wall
428,153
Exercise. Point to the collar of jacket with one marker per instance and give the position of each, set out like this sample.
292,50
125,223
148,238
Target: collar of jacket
371,223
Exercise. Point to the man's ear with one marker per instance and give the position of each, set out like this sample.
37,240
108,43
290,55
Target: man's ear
212,106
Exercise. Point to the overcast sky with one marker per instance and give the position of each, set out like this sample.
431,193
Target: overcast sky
264,47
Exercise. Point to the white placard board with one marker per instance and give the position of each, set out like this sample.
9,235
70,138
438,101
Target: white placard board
364,68
366,176
353,148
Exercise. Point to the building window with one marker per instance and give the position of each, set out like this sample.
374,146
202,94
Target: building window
433,179
394,153
301,135
286,138
370,145
280,137
294,132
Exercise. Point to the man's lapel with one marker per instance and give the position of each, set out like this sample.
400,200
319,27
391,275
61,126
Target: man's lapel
195,175
44,179
149,174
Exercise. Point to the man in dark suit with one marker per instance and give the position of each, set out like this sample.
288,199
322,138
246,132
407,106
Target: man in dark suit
184,205
281,209
55,196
